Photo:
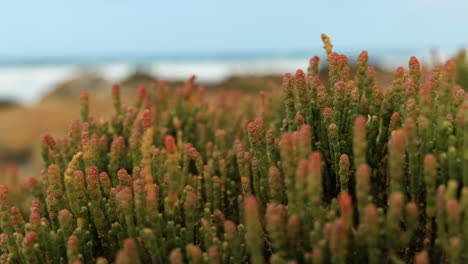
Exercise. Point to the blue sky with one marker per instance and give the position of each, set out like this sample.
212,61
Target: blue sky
61,28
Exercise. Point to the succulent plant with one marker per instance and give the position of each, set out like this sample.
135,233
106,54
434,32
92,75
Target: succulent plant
336,172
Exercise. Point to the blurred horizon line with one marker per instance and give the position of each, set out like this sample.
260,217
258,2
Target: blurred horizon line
25,80
142,57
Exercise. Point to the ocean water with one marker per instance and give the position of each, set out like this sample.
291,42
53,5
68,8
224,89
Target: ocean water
27,80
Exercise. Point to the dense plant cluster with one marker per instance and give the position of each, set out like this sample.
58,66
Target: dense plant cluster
19,194
337,172
461,61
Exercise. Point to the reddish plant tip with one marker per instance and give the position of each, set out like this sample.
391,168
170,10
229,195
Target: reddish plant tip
413,62
104,177
396,200
194,251
3,192
175,256
327,113
262,95
85,127
316,159
15,211
192,78
423,122
459,95
314,81
299,120
259,123
84,95
218,215
191,200
340,86
400,71
410,127
344,159
327,228
32,181
314,60
287,83
251,127
363,172
453,210
344,162
337,226
440,196
49,140
317,255
229,228
421,258
125,194
397,142
251,205
360,122
31,236
187,146
301,171
142,91
147,121
333,58
193,153
73,242
122,172
315,168
65,216
170,143
294,225
411,210
222,132
363,56
93,170
395,120
214,254
430,162
371,212
450,67
344,200
343,59
124,178
35,218
300,74
122,257
129,244
116,90
35,204
78,173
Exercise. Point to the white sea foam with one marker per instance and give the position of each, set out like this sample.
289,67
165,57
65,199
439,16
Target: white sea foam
27,84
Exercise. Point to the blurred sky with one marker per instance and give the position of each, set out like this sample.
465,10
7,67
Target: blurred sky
61,28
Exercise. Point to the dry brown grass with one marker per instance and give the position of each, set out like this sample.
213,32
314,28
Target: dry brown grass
21,127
